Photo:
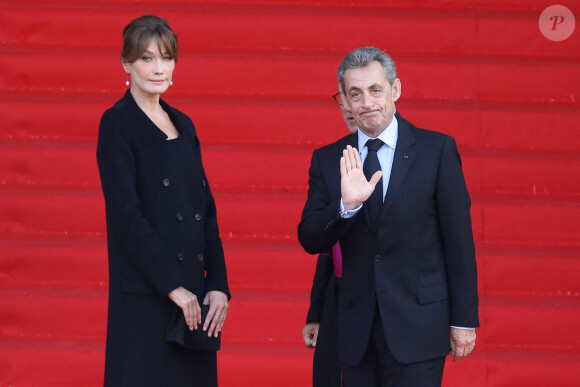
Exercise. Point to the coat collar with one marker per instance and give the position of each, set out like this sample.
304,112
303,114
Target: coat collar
148,127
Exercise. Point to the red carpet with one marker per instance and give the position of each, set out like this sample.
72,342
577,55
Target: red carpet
256,77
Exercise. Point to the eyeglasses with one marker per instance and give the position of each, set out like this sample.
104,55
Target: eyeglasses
336,98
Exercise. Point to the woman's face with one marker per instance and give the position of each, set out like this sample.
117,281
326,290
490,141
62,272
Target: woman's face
152,72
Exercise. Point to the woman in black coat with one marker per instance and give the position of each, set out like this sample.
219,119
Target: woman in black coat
162,233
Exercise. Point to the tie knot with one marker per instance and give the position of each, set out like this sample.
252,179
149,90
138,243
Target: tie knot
374,144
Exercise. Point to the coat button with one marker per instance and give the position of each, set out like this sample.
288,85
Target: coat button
166,182
200,257
204,182
180,256
378,258
197,216
179,216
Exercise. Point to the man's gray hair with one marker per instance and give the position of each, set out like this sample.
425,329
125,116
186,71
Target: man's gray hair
362,57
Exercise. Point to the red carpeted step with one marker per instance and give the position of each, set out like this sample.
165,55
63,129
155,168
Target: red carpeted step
496,369
535,328
305,127
279,79
253,273
433,36
78,366
66,216
510,275
55,317
38,267
52,365
274,323
539,372
242,369
531,176
275,173
532,132
57,367
551,225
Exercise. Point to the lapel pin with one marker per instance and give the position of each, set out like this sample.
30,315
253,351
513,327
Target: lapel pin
405,157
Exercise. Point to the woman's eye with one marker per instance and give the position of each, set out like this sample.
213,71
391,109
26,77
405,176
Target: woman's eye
167,58
146,58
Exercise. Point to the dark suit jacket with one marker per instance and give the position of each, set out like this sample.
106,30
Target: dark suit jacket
418,267
152,250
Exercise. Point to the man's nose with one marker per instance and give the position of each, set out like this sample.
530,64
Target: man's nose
366,100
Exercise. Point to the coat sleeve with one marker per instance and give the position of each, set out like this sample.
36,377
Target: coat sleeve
453,205
125,219
321,225
324,269
215,265
216,274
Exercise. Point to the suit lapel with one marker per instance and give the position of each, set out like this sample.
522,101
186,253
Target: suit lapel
402,161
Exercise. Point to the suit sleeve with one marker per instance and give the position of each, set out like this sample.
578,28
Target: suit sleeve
324,269
453,205
125,219
321,225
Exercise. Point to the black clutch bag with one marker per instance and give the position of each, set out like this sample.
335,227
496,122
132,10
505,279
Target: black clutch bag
178,332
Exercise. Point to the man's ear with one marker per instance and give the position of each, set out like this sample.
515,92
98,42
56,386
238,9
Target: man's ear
396,89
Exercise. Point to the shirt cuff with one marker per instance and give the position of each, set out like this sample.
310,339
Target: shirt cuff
467,329
347,214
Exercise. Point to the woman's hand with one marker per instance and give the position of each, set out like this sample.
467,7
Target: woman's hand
218,309
187,301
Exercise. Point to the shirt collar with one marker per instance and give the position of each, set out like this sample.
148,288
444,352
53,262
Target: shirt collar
388,136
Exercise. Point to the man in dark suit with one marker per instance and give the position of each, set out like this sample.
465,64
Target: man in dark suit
395,198
320,329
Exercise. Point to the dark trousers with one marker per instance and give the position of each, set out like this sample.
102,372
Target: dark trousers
379,368
326,367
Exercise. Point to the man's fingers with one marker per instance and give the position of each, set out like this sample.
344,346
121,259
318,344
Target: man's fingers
342,166
307,337
352,155
460,353
315,338
347,160
453,347
376,177
357,159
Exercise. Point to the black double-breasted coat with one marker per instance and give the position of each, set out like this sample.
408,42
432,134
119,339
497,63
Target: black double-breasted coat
162,233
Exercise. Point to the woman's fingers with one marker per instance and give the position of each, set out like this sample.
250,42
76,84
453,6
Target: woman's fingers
188,302
217,314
